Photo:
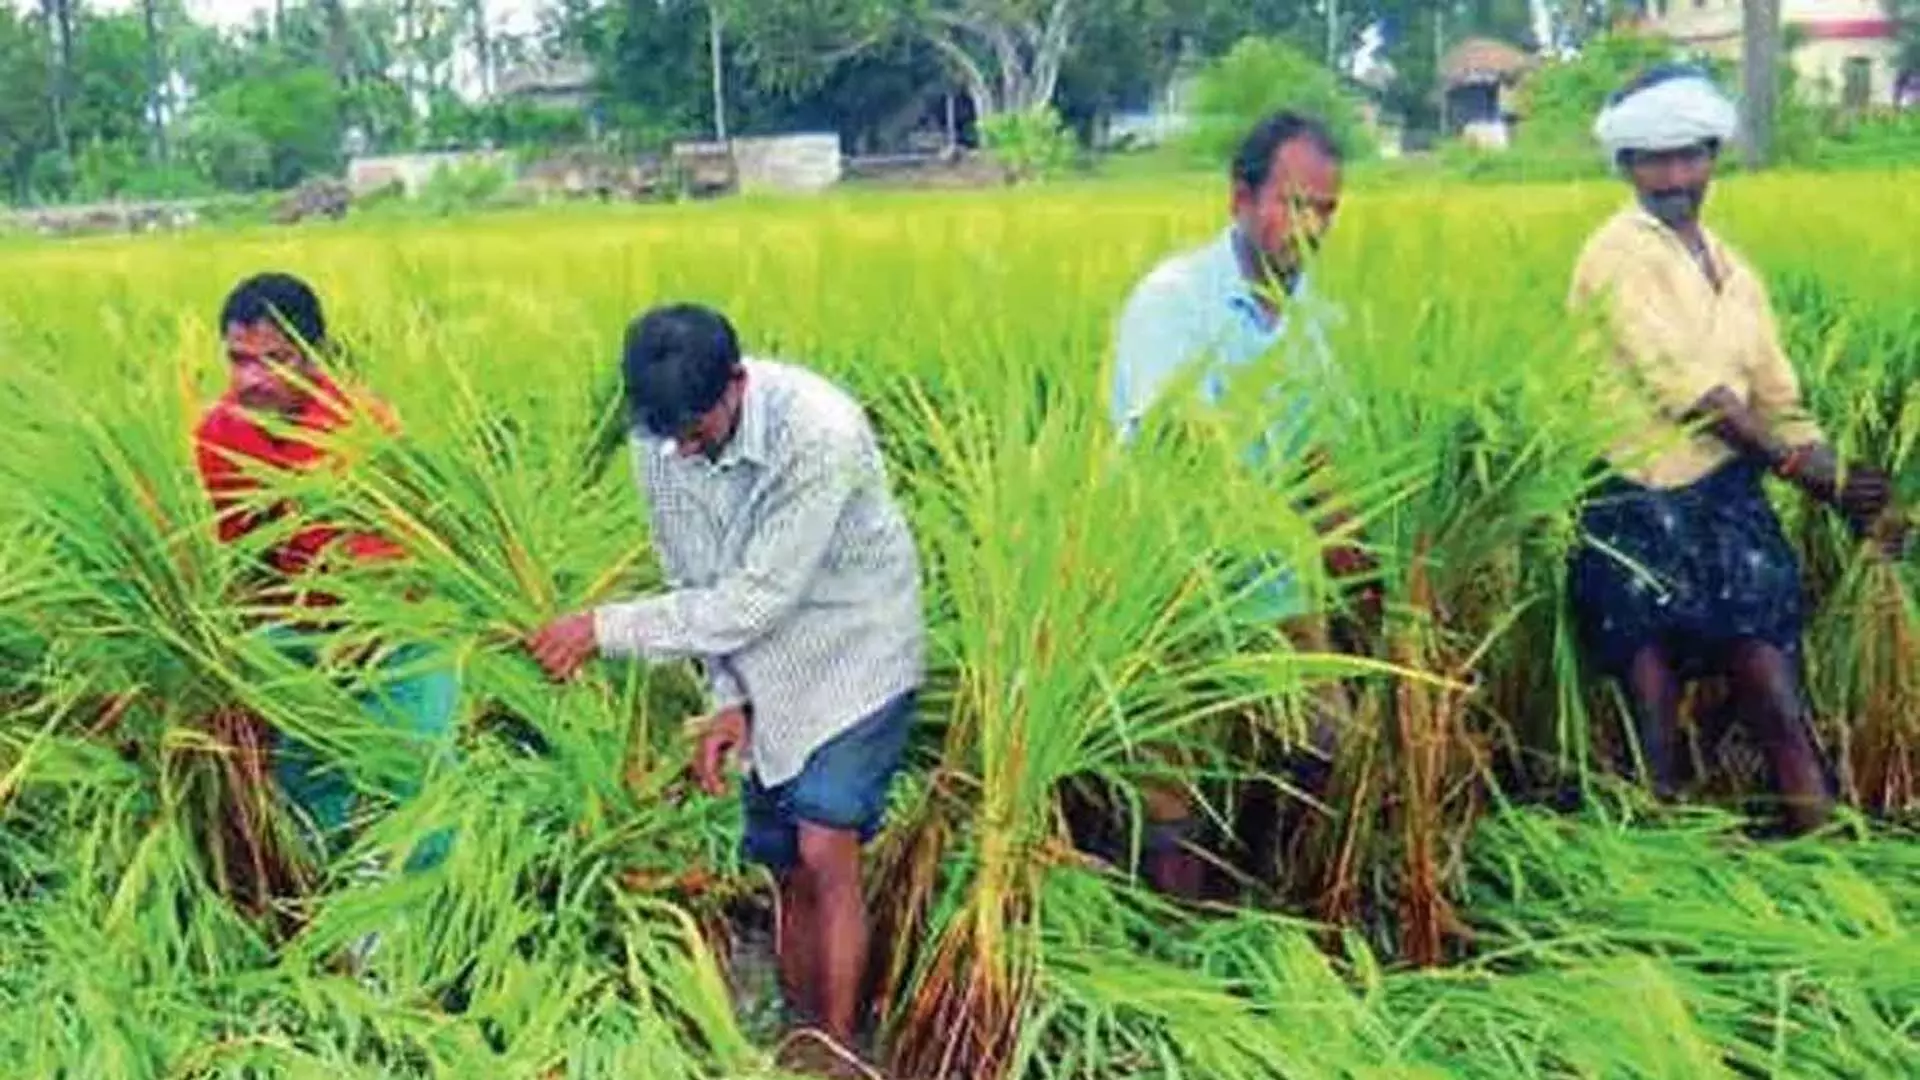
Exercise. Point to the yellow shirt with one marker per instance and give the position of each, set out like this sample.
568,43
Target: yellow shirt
1675,338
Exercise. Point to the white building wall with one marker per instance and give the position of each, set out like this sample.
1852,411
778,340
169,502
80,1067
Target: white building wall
1832,31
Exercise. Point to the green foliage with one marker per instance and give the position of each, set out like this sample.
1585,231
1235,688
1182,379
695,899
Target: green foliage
122,170
1874,140
227,151
1029,145
294,112
1259,76
1559,101
1078,631
465,186
26,128
1906,18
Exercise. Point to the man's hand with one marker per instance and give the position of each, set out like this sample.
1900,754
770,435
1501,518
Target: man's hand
1864,495
1346,561
1861,496
726,732
565,646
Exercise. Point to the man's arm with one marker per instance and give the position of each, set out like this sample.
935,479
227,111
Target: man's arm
238,505
1776,429
781,557
723,687
1152,342
1657,341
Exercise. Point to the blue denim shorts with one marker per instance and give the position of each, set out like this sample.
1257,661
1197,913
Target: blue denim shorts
842,786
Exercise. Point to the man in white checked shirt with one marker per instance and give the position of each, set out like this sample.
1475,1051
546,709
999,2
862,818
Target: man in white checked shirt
796,585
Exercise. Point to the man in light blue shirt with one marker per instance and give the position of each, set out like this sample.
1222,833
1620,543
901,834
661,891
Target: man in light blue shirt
1233,301
1224,307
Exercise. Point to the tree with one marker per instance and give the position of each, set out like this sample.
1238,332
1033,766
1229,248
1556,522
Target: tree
1007,53
26,128
1562,99
1906,21
156,77
58,21
1125,51
271,129
1258,77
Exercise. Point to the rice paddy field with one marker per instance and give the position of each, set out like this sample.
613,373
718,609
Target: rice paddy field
1433,916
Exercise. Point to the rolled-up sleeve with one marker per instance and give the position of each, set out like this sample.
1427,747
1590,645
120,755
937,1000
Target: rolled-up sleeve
1653,336
793,528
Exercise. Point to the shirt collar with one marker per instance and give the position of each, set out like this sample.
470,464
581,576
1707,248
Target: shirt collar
1640,216
1239,292
749,442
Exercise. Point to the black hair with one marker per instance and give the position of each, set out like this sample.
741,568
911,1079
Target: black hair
282,299
1253,162
677,362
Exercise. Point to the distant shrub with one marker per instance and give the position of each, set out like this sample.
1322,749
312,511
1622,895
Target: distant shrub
1871,141
1558,103
453,189
1261,76
1029,146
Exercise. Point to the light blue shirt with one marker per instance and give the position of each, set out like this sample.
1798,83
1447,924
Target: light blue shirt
1198,307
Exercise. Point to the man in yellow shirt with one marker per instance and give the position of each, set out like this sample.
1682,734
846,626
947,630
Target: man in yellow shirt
1684,571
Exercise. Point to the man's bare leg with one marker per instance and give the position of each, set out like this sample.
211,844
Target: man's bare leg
1655,691
1170,867
1767,688
835,928
799,982
1330,711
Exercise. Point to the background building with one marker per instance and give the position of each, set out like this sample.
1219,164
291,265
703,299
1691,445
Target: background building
1846,53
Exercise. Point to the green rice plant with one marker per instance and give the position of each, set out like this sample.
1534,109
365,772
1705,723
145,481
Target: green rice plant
1084,610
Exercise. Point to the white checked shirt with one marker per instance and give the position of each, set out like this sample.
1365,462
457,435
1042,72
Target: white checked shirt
794,578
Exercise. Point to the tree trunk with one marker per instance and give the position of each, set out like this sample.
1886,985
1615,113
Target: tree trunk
339,42
482,46
1026,53
1760,72
715,55
60,56
157,96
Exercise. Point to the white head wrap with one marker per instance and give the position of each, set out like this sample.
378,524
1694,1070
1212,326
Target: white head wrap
1671,114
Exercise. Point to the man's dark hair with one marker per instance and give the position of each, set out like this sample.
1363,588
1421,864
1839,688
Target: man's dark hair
281,299
678,361
1253,162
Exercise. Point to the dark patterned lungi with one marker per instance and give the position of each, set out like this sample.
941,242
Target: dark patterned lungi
1693,569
